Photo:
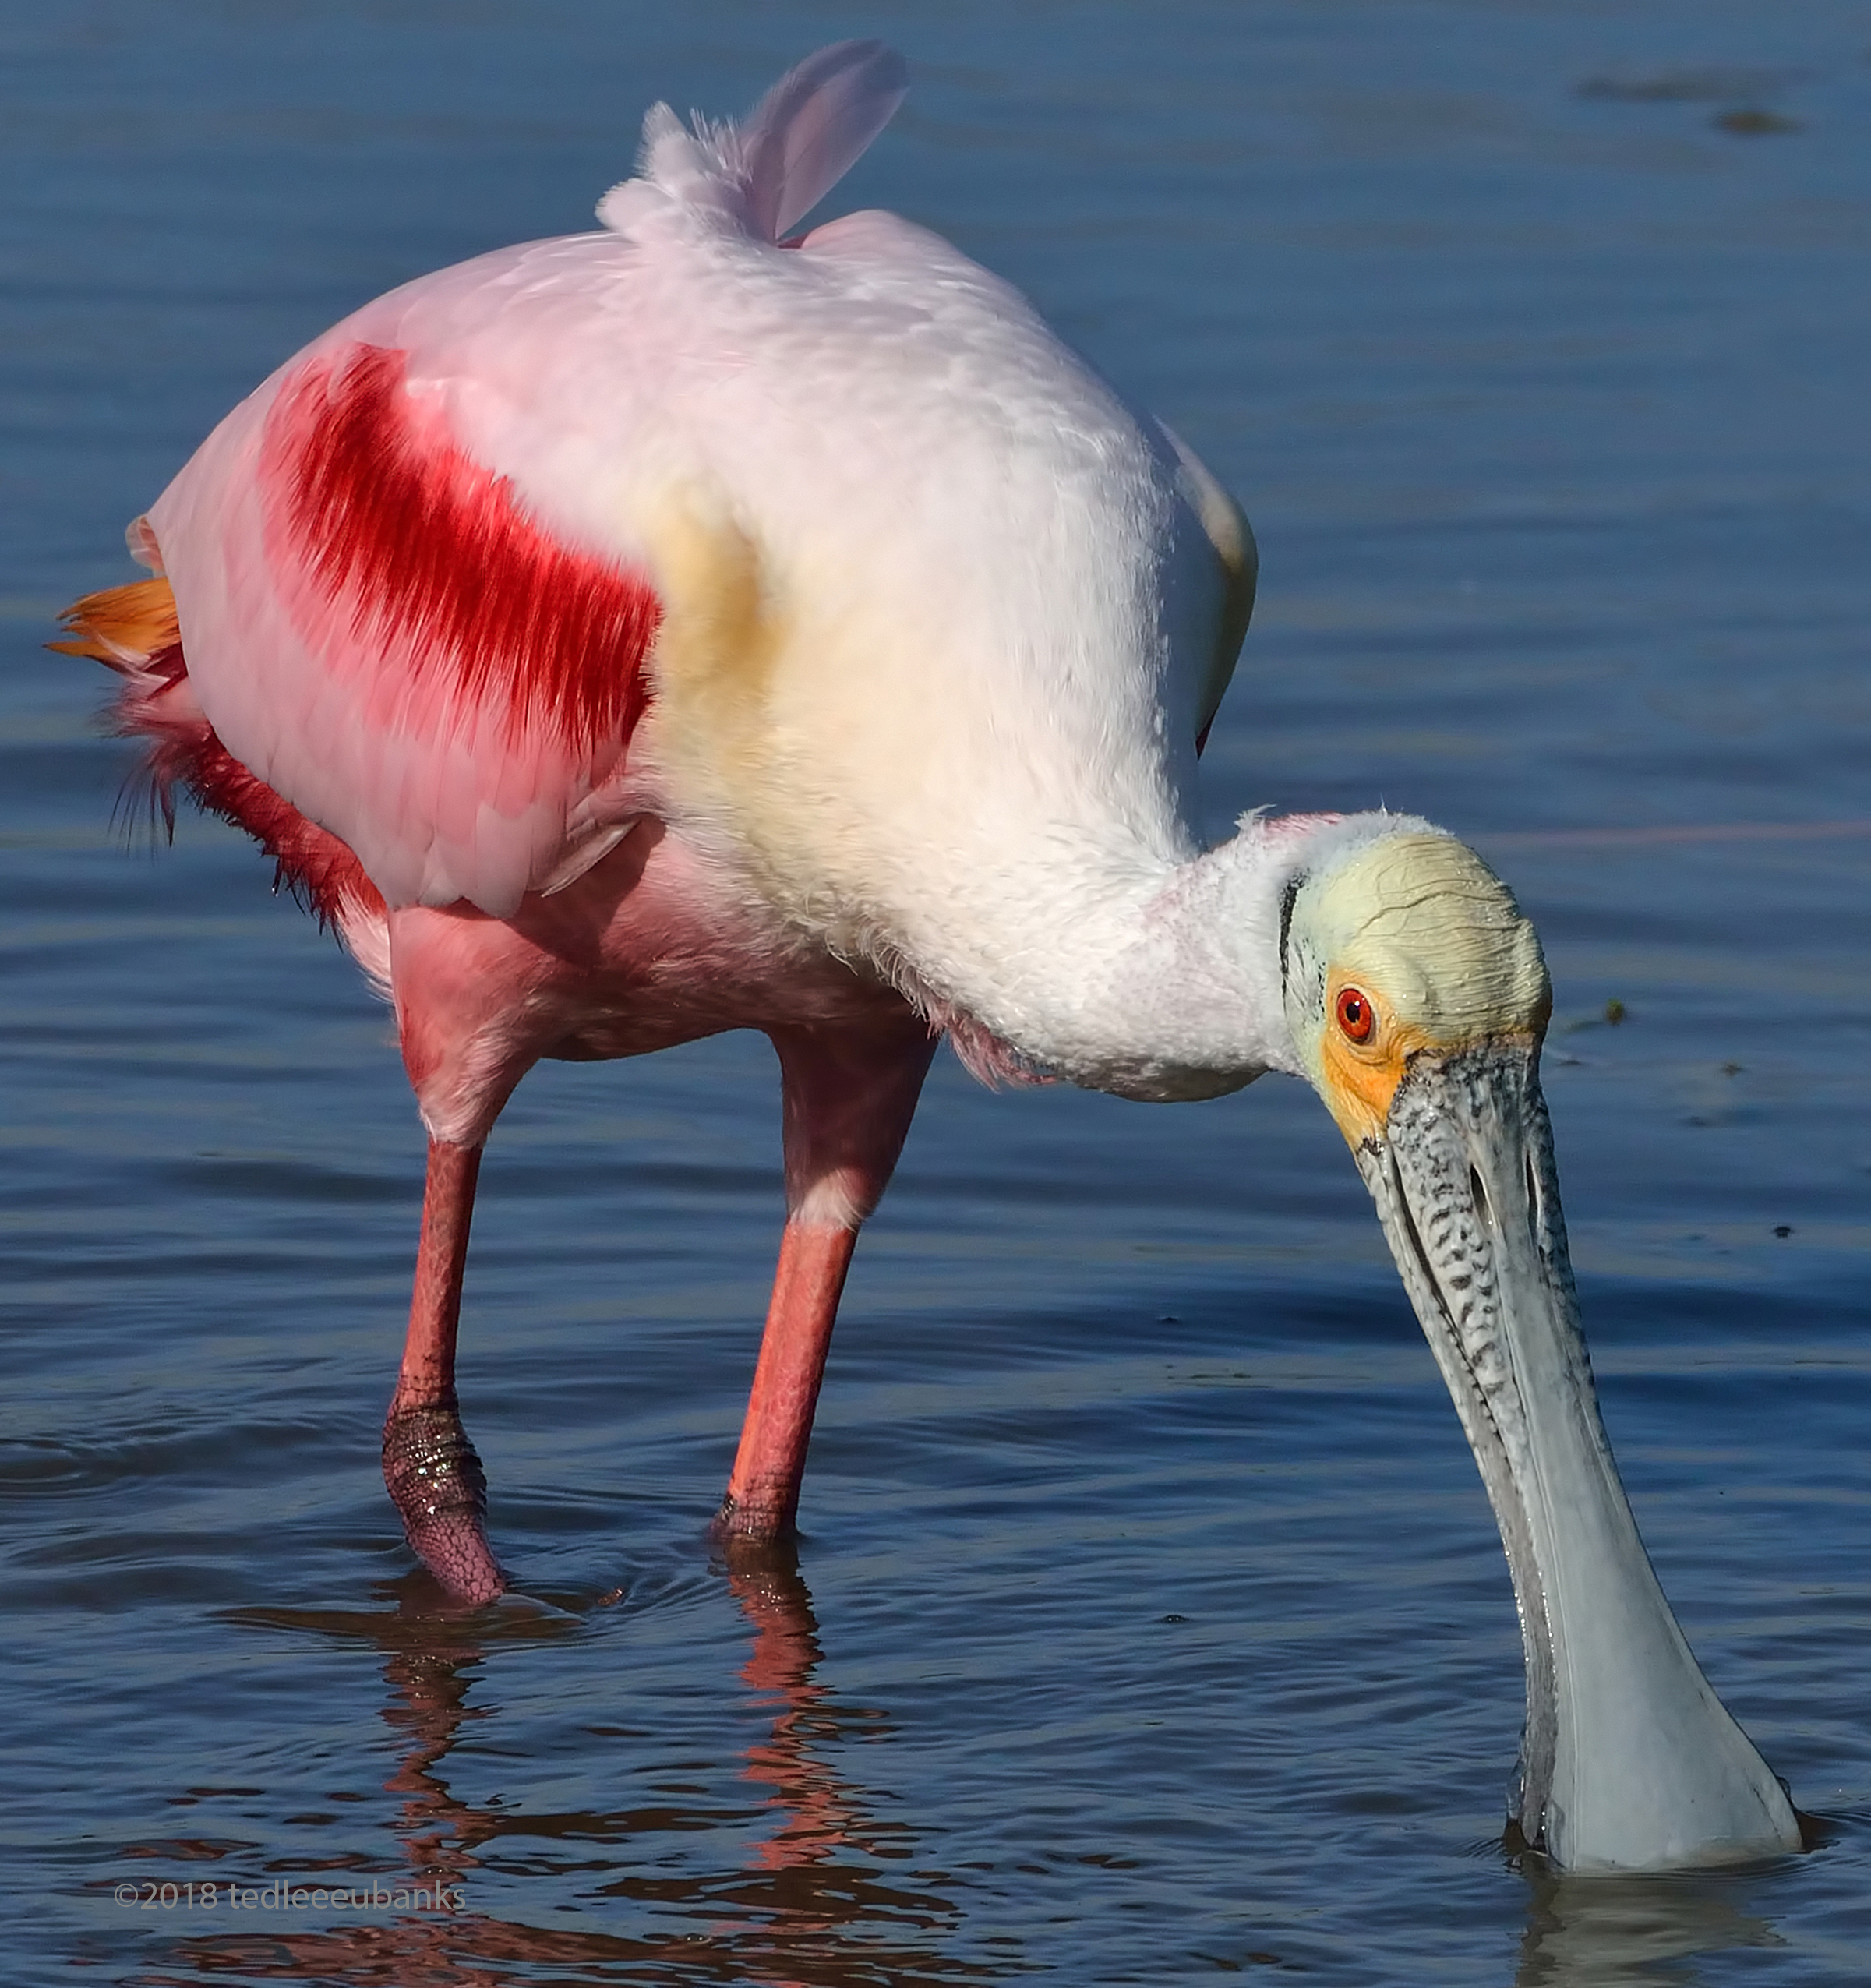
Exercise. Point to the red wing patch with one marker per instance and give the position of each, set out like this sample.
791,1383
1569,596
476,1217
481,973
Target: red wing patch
316,867
426,550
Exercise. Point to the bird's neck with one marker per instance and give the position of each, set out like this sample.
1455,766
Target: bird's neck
1152,979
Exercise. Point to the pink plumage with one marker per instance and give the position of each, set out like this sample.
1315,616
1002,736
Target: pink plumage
812,125
396,543
606,637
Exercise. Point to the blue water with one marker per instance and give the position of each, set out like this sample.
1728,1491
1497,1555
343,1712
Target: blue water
1148,1624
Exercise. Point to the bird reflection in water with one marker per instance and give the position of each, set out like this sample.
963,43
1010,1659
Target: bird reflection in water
1635,1931
784,1919
818,1813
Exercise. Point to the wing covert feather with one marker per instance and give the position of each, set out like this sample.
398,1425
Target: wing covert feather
387,632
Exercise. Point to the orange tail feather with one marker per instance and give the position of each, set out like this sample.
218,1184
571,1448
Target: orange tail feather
126,627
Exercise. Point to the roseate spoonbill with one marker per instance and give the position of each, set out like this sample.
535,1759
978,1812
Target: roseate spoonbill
688,627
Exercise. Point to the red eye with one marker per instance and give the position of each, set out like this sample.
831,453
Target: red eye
1356,1016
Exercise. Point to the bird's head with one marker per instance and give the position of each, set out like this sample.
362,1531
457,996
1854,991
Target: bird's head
1399,951
1417,998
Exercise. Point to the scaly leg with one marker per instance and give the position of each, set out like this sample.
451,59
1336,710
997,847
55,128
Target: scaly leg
849,1099
428,1464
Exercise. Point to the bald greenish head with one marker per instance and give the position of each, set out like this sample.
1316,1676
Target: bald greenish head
1400,944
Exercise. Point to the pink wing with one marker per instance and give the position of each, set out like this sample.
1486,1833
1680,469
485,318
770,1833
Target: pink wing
385,633
435,651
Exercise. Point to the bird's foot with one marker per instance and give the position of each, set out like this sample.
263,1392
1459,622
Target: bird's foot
439,1488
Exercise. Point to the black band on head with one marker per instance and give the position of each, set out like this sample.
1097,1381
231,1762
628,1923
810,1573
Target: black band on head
1288,897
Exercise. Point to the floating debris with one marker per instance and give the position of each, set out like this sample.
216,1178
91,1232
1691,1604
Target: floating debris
1743,93
1755,123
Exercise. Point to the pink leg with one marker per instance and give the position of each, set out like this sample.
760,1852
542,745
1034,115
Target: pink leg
428,1464
763,1493
849,1099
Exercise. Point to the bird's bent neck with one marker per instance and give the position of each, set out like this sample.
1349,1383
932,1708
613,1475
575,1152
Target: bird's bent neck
1152,980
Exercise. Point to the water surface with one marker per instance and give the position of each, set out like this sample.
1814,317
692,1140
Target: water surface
1149,1623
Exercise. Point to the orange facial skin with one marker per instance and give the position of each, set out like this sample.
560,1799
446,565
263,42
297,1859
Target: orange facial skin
1361,1077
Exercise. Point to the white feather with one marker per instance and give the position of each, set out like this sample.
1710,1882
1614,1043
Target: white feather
768,173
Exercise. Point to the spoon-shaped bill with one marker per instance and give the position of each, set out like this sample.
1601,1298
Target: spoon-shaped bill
1628,1760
